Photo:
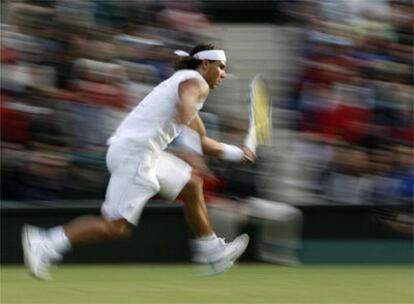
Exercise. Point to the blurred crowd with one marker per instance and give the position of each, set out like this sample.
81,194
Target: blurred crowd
70,71
353,101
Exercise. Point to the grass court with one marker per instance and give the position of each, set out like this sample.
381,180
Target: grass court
245,283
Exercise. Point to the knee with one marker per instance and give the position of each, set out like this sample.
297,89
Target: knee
194,186
196,183
118,229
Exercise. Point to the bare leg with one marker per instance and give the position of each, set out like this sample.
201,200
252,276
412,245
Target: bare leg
195,210
90,229
41,248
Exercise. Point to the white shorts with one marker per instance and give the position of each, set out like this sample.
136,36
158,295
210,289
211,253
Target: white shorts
139,175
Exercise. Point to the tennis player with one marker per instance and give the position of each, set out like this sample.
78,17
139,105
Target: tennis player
141,167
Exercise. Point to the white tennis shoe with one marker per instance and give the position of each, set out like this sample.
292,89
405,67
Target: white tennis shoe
224,257
36,258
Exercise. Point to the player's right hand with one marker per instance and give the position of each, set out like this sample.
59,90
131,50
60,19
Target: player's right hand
248,156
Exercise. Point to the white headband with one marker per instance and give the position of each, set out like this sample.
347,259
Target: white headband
216,55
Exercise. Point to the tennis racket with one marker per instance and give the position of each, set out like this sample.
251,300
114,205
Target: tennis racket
260,114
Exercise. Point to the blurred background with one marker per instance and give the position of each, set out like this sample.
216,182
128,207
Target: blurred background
340,74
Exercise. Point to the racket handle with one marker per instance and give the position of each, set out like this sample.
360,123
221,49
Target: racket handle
250,141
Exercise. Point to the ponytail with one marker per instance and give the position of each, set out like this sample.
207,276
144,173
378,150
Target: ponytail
188,63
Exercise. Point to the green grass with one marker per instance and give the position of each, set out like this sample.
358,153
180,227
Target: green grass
245,283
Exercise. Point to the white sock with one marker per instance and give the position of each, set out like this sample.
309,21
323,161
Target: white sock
59,240
207,244
207,238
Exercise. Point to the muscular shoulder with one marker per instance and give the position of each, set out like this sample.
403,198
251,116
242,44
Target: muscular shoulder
195,85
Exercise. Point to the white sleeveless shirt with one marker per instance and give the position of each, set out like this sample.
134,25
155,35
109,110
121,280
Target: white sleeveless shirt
153,123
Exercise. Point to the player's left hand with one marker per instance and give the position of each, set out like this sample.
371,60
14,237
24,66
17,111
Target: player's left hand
249,156
198,164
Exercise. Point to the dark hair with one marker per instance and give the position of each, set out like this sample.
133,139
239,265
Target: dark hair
190,62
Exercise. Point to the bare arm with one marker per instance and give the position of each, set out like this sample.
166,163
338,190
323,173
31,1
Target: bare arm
191,92
212,147
209,146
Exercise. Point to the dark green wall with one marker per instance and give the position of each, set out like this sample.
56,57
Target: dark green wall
331,234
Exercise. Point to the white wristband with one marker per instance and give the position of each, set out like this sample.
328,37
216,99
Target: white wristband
231,153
